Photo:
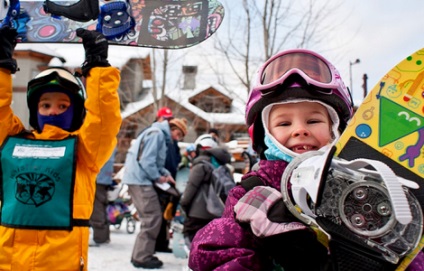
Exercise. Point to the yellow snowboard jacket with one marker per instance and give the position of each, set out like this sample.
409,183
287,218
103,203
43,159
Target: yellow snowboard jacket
56,250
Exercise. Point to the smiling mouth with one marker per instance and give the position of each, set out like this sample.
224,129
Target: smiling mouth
302,148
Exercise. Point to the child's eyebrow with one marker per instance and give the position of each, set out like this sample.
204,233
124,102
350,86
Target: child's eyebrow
49,99
279,116
319,112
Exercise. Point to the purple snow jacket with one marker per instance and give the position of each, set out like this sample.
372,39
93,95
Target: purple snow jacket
225,244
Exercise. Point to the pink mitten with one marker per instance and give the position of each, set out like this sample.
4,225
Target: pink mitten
254,208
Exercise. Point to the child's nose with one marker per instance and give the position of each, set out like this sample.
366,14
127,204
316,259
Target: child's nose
54,111
300,130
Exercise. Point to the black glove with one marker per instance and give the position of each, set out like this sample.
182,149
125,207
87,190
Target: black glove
96,46
289,250
7,46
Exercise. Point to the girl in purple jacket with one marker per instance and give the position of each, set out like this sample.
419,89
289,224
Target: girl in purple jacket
297,104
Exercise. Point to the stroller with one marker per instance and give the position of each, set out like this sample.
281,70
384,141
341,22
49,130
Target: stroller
120,208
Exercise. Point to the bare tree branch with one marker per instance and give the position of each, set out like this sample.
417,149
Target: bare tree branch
280,24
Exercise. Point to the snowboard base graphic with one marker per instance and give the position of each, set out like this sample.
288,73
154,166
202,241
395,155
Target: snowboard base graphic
389,126
166,24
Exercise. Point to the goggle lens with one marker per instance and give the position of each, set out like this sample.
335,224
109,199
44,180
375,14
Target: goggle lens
312,66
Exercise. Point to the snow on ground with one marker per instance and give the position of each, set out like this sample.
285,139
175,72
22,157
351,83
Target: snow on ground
116,255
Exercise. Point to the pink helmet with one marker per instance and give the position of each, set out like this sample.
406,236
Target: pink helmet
295,74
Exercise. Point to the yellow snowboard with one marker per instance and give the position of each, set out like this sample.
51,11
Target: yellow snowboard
389,126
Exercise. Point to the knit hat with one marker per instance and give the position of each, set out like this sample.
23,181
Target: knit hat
165,112
180,124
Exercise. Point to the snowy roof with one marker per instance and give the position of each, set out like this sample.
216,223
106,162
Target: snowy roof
134,107
39,48
119,55
74,53
237,109
182,97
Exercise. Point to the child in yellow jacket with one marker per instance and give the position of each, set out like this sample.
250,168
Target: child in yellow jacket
48,175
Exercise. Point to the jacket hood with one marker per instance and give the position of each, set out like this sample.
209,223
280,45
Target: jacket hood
221,155
164,127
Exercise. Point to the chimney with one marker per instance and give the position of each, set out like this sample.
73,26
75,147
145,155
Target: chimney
189,73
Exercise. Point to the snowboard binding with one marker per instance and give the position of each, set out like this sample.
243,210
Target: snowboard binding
370,216
4,7
81,11
9,10
115,20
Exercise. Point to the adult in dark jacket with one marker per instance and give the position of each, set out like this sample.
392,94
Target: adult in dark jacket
173,155
192,201
173,158
98,220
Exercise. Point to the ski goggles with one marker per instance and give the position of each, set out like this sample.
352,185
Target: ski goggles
314,69
55,76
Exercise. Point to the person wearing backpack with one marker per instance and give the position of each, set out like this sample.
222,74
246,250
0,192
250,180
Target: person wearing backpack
193,201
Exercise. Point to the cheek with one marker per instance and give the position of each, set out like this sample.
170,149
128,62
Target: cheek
62,110
280,135
176,136
42,111
323,135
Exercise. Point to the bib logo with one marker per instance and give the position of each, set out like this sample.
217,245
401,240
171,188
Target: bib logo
34,188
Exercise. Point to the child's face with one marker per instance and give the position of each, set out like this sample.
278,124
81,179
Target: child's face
177,134
53,103
300,127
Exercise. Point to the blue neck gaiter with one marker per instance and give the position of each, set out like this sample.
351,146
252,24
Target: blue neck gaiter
274,153
63,120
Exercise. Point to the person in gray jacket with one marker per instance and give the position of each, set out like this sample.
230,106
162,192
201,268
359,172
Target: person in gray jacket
144,168
192,201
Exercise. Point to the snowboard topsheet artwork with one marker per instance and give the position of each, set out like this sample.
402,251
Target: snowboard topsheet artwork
389,126
166,24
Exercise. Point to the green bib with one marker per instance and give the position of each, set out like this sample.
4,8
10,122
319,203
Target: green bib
37,183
